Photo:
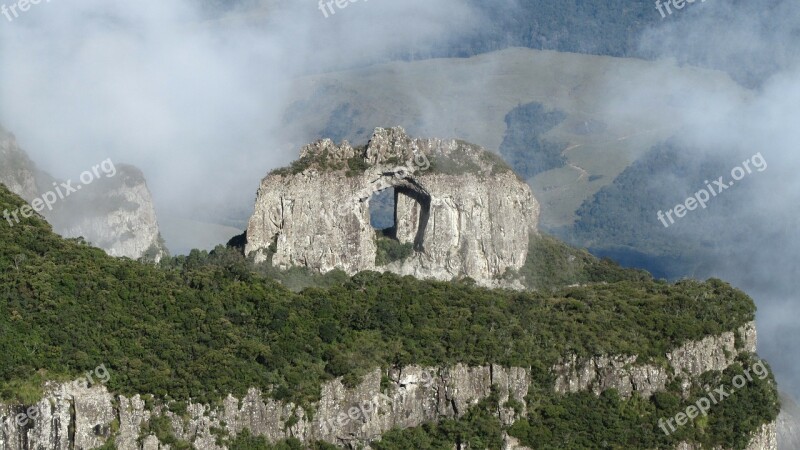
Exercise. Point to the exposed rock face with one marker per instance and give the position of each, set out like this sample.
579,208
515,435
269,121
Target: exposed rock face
621,372
114,212
17,171
346,417
464,211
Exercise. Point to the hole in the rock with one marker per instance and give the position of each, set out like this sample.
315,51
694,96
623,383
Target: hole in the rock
381,209
384,210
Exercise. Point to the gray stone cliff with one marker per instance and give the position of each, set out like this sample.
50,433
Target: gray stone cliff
464,211
77,417
114,213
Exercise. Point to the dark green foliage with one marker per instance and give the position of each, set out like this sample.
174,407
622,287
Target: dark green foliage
583,420
321,161
621,220
356,165
523,146
551,264
478,428
205,325
390,250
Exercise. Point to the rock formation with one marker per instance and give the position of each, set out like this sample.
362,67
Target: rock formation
83,418
115,213
464,212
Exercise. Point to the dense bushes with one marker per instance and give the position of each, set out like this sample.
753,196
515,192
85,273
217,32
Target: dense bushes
584,420
523,145
390,250
205,325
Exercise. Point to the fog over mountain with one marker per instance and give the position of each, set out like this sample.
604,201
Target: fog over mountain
196,96
760,246
193,96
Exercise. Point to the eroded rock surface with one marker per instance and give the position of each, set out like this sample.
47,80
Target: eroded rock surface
77,417
465,212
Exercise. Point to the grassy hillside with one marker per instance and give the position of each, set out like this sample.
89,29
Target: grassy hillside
490,100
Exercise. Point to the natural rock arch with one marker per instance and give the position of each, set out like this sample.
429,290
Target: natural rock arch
465,211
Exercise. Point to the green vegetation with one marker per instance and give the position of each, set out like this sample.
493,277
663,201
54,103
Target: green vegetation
621,220
390,250
205,325
523,146
552,264
584,420
246,441
356,166
322,161
209,324
463,162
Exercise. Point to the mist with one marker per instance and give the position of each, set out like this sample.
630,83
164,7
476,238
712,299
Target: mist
192,94
196,96
756,44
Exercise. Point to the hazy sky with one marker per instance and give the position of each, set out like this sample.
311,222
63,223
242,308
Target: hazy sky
758,39
194,102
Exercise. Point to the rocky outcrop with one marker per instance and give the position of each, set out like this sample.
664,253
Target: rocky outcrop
765,439
463,210
17,171
623,374
83,418
114,212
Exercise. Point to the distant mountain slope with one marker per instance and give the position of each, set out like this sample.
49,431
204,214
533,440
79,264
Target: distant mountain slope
788,424
114,212
473,98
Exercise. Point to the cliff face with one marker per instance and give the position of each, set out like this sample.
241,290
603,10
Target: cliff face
83,418
17,171
788,431
626,376
464,212
115,213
